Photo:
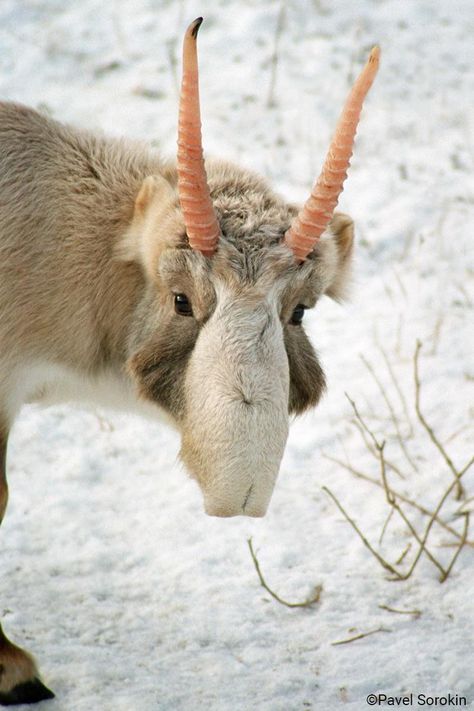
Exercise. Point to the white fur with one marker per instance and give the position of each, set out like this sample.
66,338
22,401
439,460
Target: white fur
50,383
240,444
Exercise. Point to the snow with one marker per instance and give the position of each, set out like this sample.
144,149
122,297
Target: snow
111,574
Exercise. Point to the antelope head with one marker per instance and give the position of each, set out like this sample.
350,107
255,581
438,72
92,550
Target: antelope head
230,270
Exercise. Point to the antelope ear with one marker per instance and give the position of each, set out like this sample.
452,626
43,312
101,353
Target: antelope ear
150,185
154,198
342,229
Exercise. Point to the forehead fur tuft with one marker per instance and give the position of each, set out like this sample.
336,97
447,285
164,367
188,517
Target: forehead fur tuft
253,220
250,214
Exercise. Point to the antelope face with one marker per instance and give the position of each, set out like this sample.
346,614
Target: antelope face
236,387
220,342
237,382
229,362
231,269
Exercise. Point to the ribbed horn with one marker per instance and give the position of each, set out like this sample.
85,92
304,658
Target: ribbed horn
316,214
200,219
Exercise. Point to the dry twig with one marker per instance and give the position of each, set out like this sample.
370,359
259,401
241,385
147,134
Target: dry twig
306,603
459,548
399,391
385,526
422,509
374,452
391,410
360,636
384,563
391,500
429,429
394,499
377,447
275,55
444,573
436,333
415,613
400,560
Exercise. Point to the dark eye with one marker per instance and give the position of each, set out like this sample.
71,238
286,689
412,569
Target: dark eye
297,315
182,305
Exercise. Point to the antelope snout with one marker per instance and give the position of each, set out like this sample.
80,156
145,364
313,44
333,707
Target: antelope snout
236,421
253,504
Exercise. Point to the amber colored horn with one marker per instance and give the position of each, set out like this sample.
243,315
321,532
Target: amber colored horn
316,214
195,199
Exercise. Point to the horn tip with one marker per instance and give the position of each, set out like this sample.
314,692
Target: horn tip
194,27
374,56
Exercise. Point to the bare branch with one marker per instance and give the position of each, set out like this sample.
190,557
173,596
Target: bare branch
422,509
360,636
362,423
466,467
430,523
400,283
400,560
436,333
427,427
423,548
456,434
274,60
415,613
384,563
385,526
306,603
397,387
377,448
459,548
393,503
372,449
391,410
383,472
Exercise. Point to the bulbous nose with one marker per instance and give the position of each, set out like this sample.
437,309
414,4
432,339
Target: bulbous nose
251,505
222,512
236,423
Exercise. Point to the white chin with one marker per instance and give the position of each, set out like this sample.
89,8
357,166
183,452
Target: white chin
252,505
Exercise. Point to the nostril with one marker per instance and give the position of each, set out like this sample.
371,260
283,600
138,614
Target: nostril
242,397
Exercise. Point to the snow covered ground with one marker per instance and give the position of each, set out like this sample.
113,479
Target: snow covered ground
130,597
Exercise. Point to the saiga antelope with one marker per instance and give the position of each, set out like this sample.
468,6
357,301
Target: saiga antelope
126,279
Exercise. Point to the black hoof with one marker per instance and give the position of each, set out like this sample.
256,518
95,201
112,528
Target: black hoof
30,692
